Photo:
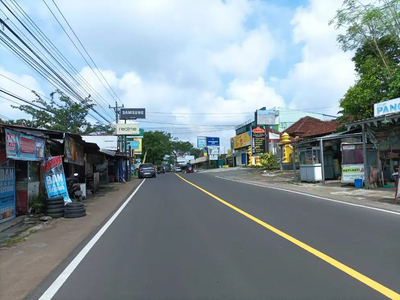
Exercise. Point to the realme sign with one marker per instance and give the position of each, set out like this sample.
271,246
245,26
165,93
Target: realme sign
127,129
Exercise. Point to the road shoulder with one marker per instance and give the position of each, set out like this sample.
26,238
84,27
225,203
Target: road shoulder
25,265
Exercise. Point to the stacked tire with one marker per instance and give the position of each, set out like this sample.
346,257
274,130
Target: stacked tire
74,210
54,207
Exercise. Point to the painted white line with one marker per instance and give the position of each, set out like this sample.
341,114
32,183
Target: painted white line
313,196
57,284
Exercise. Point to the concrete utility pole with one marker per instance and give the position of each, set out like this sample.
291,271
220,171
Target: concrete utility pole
117,109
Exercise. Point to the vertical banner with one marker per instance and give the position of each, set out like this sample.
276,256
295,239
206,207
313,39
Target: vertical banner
258,140
7,188
54,178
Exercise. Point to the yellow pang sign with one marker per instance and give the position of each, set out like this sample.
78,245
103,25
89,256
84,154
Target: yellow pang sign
242,140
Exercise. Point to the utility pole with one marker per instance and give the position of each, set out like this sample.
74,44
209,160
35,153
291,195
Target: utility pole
117,109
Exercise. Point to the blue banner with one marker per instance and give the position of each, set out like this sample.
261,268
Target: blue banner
212,141
54,178
24,147
7,190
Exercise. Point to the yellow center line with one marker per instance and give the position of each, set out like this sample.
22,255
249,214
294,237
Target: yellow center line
337,264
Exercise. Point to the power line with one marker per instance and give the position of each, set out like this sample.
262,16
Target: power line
24,100
67,86
98,69
83,49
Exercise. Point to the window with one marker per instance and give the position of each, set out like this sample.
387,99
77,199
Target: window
352,156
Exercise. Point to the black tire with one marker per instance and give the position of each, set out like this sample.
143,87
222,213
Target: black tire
74,210
75,215
54,210
55,202
54,206
74,204
54,216
55,199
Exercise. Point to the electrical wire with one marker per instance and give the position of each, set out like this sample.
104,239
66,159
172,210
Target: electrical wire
85,49
24,100
55,59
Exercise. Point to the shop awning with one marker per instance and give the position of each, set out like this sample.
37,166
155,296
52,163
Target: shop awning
375,121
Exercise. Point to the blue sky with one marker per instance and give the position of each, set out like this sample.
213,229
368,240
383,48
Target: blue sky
187,61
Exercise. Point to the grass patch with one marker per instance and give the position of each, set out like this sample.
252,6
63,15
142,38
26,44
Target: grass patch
13,241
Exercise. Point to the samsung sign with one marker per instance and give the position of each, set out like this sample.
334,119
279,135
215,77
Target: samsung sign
127,129
212,141
132,113
387,107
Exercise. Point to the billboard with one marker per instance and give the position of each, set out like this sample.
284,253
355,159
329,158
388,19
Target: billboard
213,152
201,141
132,113
242,140
266,117
127,129
257,140
24,147
135,143
212,141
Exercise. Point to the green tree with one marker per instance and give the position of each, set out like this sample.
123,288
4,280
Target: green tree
180,147
61,113
377,80
156,144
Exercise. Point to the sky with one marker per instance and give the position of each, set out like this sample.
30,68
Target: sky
198,67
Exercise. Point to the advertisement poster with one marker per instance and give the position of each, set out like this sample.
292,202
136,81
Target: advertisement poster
351,172
7,188
242,140
73,152
258,140
54,178
212,141
24,147
135,143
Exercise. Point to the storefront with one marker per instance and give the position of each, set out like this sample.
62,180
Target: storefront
28,151
239,144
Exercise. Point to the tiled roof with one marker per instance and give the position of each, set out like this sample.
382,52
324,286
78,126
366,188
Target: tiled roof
311,127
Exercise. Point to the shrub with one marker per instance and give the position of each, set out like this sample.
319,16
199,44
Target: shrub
268,161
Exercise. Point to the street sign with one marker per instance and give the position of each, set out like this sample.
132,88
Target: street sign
212,141
127,129
132,113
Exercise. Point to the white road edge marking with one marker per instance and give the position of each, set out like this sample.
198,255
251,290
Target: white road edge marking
57,284
314,196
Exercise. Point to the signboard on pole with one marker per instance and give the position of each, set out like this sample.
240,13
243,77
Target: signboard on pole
266,117
212,141
54,178
132,113
127,129
213,152
257,140
7,188
387,107
201,141
24,147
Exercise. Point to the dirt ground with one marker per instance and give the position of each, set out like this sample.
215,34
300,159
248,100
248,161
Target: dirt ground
25,265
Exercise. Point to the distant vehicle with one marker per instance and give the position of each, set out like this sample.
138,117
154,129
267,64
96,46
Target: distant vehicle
161,170
178,169
147,170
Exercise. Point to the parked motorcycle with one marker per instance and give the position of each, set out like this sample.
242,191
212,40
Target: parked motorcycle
74,189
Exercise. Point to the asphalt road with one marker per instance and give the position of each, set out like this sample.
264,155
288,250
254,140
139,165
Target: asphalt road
175,241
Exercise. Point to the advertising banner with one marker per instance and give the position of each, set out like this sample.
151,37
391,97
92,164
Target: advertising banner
351,172
212,141
73,152
387,107
127,129
7,188
201,142
24,147
54,178
132,113
258,140
242,140
266,117
213,152
135,143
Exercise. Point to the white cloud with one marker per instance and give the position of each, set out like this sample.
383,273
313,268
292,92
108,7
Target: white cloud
10,86
325,72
